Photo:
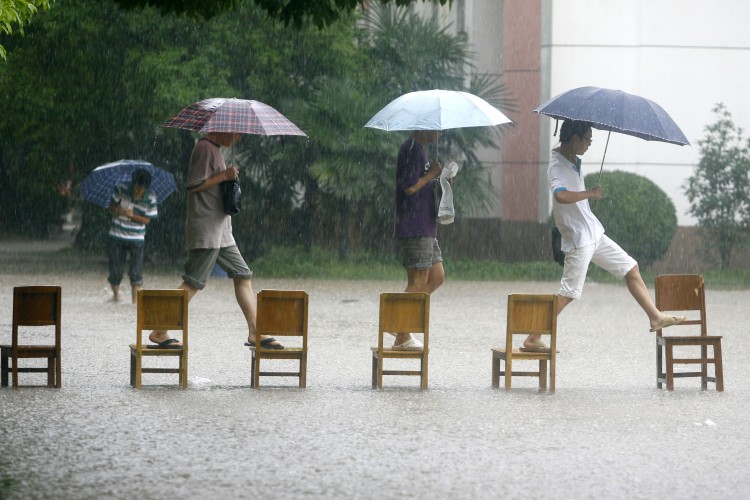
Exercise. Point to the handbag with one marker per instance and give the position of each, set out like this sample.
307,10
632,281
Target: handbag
231,196
557,252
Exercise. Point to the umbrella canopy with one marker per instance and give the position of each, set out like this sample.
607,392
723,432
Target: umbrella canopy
233,115
100,183
436,110
615,111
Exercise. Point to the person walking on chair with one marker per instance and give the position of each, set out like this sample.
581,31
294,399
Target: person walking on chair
583,238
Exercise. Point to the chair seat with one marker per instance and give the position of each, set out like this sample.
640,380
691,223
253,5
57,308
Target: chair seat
389,352
149,351
286,353
688,340
519,354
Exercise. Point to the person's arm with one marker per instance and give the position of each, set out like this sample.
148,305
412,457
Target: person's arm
566,197
432,173
229,174
118,210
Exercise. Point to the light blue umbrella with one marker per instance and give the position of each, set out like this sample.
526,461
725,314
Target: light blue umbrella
437,110
100,184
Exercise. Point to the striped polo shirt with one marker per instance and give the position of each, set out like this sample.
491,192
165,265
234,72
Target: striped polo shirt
124,229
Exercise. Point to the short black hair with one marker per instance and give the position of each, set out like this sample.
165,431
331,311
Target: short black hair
573,127
141,177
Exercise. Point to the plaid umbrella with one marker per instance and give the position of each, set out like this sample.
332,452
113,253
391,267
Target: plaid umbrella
100,184
233,115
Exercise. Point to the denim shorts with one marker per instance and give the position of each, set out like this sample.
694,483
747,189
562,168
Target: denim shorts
201,261
420,253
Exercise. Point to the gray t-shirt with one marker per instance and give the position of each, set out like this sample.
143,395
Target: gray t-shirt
207,224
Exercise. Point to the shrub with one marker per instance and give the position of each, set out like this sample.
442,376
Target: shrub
638,215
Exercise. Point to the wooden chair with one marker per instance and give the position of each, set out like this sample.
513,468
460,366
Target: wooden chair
34,306
402,313
281,313
527,314
160,310
685,292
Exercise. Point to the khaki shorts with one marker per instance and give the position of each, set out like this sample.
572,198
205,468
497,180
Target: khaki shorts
201,261
420,253
605,253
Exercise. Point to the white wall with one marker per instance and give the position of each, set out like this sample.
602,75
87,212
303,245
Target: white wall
686,55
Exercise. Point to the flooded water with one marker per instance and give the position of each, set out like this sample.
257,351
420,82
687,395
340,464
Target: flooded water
606,432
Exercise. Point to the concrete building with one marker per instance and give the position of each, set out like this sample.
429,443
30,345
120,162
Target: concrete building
686,55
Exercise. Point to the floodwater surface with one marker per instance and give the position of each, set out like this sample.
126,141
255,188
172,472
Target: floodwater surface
606,432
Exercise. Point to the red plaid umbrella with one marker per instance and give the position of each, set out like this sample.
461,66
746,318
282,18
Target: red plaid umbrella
233,115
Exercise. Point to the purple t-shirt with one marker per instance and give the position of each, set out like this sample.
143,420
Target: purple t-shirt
416,214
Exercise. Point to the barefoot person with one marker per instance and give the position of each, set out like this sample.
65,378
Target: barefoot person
583,238
209,234
416,221
133,206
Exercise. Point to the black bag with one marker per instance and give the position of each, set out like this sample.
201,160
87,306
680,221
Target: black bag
557,252
231,195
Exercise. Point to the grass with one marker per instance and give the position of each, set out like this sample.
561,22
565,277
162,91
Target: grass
322,264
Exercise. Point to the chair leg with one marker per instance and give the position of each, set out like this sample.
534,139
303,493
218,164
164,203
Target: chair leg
508,372
303,371
380,373
659,366
51,369
542,374
552,368
14,377
252,370
4,369
256,371
424,371
718,367
138,372
495,371
132,369
58,371
704,367
183,370
668,350
374,371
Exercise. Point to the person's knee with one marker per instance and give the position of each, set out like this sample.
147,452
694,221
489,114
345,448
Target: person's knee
634,273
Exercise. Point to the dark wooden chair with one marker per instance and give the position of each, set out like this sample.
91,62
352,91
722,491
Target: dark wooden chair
527,314
160,310
34,306
686,293
281,313
402,313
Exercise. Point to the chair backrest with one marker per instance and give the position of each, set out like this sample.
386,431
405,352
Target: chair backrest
532,314
682,292
37,306
162,310
282,313
404,312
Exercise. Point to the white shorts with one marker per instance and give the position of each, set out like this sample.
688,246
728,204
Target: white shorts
605,253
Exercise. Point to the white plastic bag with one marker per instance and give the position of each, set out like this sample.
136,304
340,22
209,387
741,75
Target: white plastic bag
446,212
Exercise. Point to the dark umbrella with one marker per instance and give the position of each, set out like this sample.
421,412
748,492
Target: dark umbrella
100,183
240,116
615,110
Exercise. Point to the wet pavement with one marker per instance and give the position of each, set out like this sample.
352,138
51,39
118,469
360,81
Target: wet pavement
606,432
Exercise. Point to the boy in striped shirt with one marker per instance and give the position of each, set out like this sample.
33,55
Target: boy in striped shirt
133,206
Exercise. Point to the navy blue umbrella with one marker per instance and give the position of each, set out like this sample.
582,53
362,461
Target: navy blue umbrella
100,184
615,111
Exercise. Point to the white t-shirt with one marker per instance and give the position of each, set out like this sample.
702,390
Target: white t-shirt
577,224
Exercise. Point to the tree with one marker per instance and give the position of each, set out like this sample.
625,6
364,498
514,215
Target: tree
638,215
18,13
719,189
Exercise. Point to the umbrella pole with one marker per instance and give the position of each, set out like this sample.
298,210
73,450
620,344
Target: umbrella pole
599,182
